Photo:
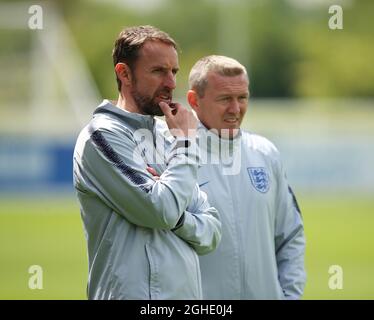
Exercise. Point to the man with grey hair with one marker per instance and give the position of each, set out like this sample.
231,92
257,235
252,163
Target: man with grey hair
261,254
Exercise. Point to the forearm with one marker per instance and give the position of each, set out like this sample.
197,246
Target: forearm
201,230
112,171
290,262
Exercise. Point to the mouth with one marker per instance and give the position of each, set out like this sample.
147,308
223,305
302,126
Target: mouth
165,98
231,120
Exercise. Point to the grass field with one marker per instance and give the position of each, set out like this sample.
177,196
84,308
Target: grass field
49,233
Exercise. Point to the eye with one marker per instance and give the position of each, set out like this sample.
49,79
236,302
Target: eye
225,98
157,70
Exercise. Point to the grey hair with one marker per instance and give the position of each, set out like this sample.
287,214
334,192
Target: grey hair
222,65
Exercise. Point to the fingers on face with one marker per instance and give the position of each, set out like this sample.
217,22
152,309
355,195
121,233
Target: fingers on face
165,108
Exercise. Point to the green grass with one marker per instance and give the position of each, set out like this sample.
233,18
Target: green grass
339,232
46,233
49,233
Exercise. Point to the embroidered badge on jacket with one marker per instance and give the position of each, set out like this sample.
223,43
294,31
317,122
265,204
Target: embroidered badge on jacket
259,178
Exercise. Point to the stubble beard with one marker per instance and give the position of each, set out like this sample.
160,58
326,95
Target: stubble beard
146,103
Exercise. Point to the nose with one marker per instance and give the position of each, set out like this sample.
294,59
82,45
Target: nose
234,107
170,81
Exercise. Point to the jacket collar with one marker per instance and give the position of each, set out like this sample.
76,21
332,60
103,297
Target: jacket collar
212,143
136,120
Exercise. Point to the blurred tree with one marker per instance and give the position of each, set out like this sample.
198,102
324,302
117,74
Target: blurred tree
336,63
289,50
272,50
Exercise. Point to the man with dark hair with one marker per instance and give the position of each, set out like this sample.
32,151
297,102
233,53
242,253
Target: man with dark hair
143,233
261,254
126,47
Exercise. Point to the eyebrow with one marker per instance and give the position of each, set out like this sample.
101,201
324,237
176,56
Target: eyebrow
164,68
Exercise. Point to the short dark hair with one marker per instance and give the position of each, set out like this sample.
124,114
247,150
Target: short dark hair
130,40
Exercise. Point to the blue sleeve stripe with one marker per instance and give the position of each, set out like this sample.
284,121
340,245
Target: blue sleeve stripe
130,173
294,200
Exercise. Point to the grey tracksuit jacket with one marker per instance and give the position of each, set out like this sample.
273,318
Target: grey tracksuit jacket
261,254
143,236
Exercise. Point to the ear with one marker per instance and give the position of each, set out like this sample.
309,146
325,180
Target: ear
192,99
123,72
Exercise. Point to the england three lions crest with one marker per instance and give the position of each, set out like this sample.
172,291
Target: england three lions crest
259,178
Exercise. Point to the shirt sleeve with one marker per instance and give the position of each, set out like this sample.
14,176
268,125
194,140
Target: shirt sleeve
289,240
201,227
107,165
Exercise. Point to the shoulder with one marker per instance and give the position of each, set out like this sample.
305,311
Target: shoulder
259,144
111,119
106,123
101,130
